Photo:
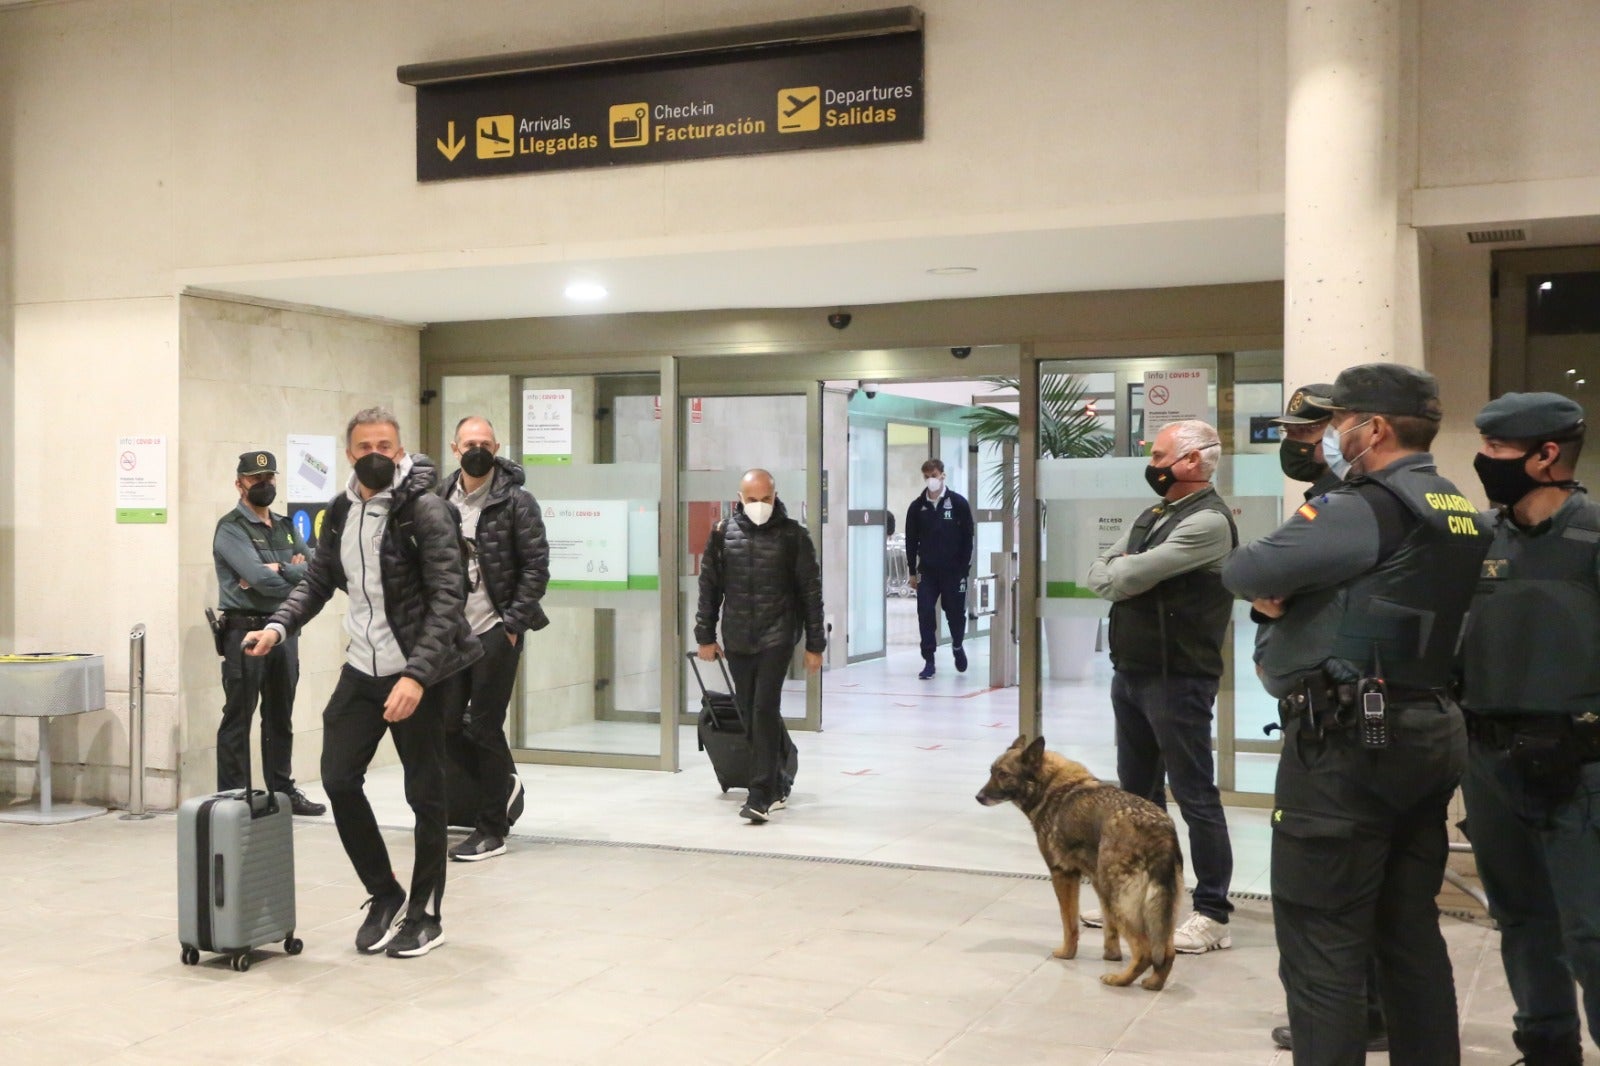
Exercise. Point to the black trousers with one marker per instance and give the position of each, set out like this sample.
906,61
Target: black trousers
758,689
246,679
475,728
1164,728
1358,854
352,726
936,588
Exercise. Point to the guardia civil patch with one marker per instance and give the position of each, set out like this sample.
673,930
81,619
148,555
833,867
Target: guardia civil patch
1306,511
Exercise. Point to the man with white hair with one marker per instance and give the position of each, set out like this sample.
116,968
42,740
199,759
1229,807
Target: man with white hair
1169,613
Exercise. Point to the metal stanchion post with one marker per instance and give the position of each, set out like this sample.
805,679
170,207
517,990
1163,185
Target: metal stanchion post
136,811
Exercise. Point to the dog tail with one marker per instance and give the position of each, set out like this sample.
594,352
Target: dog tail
1163,895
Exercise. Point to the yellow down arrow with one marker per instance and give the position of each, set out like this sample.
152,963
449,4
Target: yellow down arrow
450,147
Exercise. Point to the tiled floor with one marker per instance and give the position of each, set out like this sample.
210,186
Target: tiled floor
570,953
693,938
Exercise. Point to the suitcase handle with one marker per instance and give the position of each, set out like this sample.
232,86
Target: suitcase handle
216,890
694,661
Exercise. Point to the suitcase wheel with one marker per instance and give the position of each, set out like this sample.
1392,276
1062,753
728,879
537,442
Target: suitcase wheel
294,945
240,963
190,955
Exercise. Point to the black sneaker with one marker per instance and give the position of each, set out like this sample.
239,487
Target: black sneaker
379,927
304,805
417,936
514,805
961,659
778,804
927,670
479,845
754,812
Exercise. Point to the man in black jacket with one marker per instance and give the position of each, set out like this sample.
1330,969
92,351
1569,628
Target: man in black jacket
759,573
507,571
939,538
394,547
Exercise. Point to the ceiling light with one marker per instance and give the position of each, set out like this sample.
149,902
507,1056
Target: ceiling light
586,292
946,272
1547,286
1572,372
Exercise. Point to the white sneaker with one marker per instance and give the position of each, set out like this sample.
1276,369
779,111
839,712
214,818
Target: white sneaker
1199,934
1092,919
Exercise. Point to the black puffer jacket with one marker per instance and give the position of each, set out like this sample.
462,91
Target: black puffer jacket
764,582
423,574
513,555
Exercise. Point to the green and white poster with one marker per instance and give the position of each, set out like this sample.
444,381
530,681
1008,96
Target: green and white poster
588,543
547,427
141,480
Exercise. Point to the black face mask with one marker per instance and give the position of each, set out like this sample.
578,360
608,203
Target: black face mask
1159,478
477,462
1506,481
1299,460
261,494
375,470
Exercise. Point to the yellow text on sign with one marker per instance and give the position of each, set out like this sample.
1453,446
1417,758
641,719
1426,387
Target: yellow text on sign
496,137
800,110
630,126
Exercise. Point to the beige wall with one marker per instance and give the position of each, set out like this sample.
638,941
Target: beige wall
250,376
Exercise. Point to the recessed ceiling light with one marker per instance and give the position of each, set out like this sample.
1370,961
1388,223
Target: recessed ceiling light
586,291
945,272
1547,286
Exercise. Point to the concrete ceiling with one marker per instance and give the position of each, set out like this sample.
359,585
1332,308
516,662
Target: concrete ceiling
530,282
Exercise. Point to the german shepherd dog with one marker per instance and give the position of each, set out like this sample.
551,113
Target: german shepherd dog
1124,844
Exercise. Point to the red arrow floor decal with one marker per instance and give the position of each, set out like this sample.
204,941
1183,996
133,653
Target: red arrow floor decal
934,747
855,773
995,725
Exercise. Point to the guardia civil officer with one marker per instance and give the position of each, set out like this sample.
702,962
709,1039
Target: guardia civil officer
1304,420
939,538
1362,595
259,558
1531,660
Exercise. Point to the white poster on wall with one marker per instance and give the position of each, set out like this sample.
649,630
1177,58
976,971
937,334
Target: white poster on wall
307,468
1174,396
142,480
588,543
546,427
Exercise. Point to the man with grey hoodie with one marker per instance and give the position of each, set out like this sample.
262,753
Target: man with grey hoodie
394,547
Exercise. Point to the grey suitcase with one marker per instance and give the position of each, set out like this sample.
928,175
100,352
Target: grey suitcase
235,875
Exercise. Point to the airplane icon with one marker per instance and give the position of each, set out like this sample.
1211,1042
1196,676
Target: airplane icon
493,134
796,104
492,144
799,108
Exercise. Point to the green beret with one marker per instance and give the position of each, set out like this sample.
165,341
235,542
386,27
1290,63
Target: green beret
1387,389
1530,416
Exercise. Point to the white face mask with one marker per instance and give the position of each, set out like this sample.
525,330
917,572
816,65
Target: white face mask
1333,453
935,485
757,511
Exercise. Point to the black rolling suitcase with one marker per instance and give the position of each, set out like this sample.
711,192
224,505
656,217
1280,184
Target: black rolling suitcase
723,738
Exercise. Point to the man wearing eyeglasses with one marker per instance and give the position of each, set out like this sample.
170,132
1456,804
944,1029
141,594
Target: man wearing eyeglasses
508,567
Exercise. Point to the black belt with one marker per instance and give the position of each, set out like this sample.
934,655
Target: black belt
1499,732
240,620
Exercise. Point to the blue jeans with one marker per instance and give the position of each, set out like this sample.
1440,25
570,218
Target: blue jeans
1167,721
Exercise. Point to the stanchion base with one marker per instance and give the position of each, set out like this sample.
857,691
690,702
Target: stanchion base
145,817
57,814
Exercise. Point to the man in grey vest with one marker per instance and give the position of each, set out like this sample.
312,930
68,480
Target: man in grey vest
1531,672
1169,614
1361,596
259,558
1304,420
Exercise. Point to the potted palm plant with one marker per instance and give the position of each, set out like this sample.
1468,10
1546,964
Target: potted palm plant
1068,429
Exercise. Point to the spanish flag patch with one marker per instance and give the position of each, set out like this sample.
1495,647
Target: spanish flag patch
1306,511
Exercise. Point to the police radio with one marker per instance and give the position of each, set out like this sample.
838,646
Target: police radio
1372,706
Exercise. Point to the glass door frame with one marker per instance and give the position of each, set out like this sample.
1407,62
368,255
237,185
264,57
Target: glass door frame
691,386
434,437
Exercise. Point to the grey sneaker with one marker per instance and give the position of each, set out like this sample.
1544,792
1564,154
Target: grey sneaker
417,936
1199,934
754,812
1092,918
477,847
379,927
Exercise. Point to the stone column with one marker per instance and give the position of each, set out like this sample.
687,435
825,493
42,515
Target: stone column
1351,262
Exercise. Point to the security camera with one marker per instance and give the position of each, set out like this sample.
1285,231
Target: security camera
960,353
870,388
839,320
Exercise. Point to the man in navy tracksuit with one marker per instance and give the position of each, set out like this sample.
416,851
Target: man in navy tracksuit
939,535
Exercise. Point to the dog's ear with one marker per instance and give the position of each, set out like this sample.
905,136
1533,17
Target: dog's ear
1020,743
1035,751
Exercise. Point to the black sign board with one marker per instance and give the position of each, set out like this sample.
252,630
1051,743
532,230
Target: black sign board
826,94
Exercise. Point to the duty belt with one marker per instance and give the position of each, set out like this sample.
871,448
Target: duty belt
243,620
1499,732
